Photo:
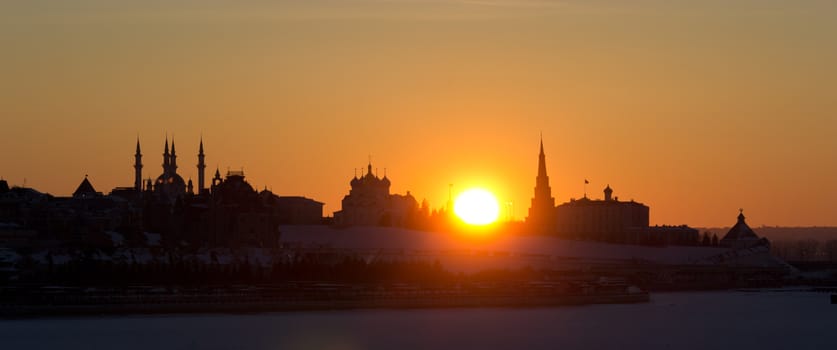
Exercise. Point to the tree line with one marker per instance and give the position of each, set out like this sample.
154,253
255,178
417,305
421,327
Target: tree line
807,250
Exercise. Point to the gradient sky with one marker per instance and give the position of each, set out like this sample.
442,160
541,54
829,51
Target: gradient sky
695,108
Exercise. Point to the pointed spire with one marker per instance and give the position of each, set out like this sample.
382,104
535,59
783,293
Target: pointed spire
541,162
201,168
166,156
173,157
543,204
138,168
741,215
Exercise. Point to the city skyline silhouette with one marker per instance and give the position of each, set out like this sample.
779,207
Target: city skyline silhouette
418,174
695,109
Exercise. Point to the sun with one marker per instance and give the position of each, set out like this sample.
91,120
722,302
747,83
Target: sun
476,207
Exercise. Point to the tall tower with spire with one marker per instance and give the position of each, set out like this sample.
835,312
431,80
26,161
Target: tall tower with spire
542,211
138,169
201,168
173,158
166,156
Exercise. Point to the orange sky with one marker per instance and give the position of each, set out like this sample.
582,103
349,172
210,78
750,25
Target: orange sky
693,108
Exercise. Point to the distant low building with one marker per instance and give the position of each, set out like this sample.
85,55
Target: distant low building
670,235
295,210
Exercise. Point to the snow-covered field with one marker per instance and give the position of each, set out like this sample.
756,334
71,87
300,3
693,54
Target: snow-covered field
704,320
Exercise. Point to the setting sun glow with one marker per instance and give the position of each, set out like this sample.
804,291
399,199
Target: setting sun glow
476,207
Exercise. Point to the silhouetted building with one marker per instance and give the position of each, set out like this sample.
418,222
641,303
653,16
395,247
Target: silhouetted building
237,215
742,236
602,220
668,235
169,186
369,203
295,210
85,190
541,216
229,214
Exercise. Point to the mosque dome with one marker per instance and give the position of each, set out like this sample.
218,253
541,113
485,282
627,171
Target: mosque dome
170,186
170,180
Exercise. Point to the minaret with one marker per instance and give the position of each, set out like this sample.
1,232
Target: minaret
166,157
217,179
173,158
201,168
542,211
138,169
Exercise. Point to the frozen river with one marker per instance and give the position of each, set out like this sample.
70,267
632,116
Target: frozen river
704,320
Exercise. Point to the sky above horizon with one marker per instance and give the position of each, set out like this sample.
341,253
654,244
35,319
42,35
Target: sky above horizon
695,108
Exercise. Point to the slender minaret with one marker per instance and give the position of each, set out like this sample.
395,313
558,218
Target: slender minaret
166,157
173,158
138,169
542,211
201,168
217,179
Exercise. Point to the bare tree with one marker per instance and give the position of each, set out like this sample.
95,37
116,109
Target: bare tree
808,250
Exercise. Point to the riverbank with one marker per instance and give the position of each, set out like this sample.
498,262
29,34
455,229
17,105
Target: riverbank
55,301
